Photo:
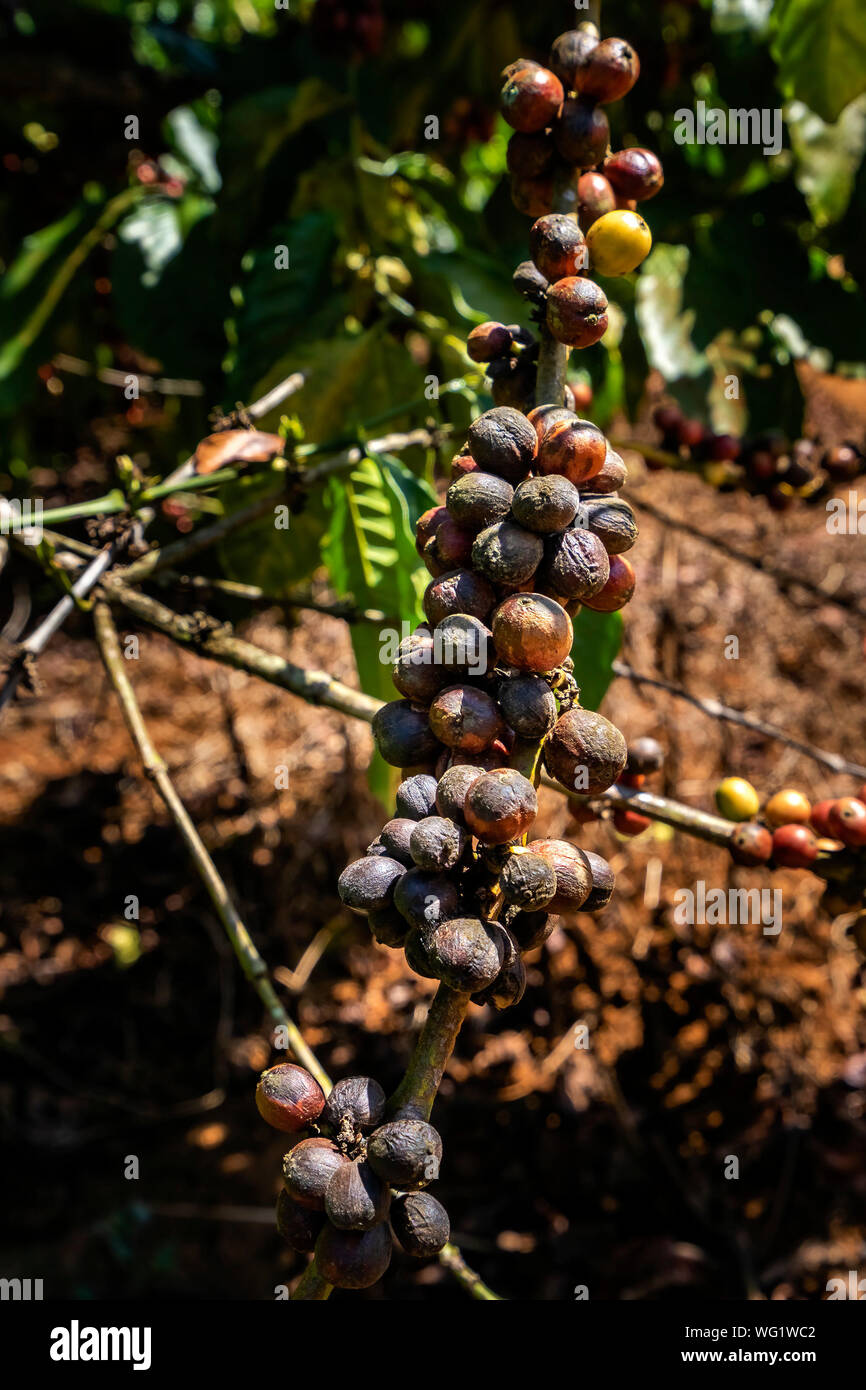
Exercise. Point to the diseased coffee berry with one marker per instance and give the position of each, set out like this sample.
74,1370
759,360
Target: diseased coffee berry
388,927
527,881
528,706
416,673
406,1153
603,883
529,281
459,591
691,433
356,1199
500,806
618,242
569,55
425,900
503,441
532,632
645,755
461,464
353,1259
573,873
611,476
289,1098
487,341
557,246
786,808
479,499
582,133
577,309
737,799
515,388
576,565
510,984
532,197
531,97
298,1226
466,954
617,591
529,156
415,950
610,70
464,646
449,548
574,449
451,791
465,718
437,844
637,174
794,846
368,884
545,504
629,822
751,844
614,524
531,929
416,797
544,417
595,197
585,752
847,821
402,733
420,1223
307,1170
507,554
427,525
361,1098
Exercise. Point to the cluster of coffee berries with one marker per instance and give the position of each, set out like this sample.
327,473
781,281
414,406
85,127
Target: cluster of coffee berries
510,356
349,1173
790,831
769,465
561,128
645,756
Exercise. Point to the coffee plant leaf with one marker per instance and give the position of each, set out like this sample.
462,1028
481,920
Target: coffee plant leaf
828,157
271,556
820,48
666,329
597,640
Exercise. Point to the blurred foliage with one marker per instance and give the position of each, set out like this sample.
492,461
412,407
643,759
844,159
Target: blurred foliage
231,190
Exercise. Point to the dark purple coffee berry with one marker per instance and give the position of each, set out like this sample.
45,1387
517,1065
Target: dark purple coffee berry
528,706
532,929
582,133
307,1170
585,752
545,504
576,565
479,499
488,340
437,844
611,476
465,718
610,70
459,591
289,1098
353,1259
356,1199
529,281
464,646
500,806
502,441
603,883
368,884
510,984
507,554
569,55
405,1153
529,156
451,791
527,881
402,733
466,953
573,873
420,1223
358,1097
613,522
424,900
636,174
416,674
388,927
395,837
417,959
416,797
298,1226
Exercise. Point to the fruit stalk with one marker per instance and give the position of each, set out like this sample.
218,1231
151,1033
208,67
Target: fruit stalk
552,355
416,1093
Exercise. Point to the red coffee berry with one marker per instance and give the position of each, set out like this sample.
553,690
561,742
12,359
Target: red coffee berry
667,418
465,718
427,524
723,447
531,98
529,156
595,197
611,70
751,844
847,820
820,817
289,1098
569,54
617,591
691,433
487,341
575,449
635,173
629,822
576,311
582,133
557,246
794,846
532,197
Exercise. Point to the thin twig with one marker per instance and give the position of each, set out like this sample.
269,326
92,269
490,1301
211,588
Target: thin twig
156,771
416,1093
453,1261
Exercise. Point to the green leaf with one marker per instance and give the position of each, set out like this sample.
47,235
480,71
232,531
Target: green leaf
154,228
196,144
275,560
828,157
820,47
597,640
666,329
